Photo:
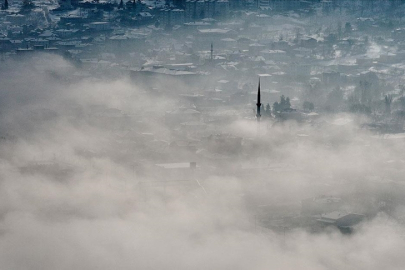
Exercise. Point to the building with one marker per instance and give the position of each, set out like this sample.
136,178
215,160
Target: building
100,26
177,16
278,4
263,4
200,9
170,17
210,9
179,3
222,9
341,220
235,4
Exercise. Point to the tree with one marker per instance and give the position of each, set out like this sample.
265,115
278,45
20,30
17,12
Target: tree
276,107
364,97
287,103
268,110
282,102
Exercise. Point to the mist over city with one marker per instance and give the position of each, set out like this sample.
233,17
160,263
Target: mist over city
202,134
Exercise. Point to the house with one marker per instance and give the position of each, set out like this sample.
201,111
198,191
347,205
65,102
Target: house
100,26
341,220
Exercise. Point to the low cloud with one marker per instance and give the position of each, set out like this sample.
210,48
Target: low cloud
75,192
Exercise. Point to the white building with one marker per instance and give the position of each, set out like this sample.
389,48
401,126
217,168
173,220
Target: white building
100,26
200,9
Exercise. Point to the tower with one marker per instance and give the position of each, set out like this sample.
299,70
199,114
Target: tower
212,51
258,104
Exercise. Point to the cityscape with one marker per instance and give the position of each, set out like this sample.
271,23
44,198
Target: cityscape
207,134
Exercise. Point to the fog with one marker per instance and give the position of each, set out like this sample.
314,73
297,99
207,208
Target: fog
77,194
223,134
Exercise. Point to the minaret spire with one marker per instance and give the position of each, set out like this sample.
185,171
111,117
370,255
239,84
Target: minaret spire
5,5
258,104
212,51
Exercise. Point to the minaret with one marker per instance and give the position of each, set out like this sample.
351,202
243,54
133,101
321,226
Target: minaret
258,104
212,51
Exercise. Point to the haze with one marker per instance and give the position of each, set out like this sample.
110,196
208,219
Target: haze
132,135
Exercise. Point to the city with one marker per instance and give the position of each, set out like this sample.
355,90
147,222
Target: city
252,134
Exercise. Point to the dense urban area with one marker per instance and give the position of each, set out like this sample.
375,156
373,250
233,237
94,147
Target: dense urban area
208,134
